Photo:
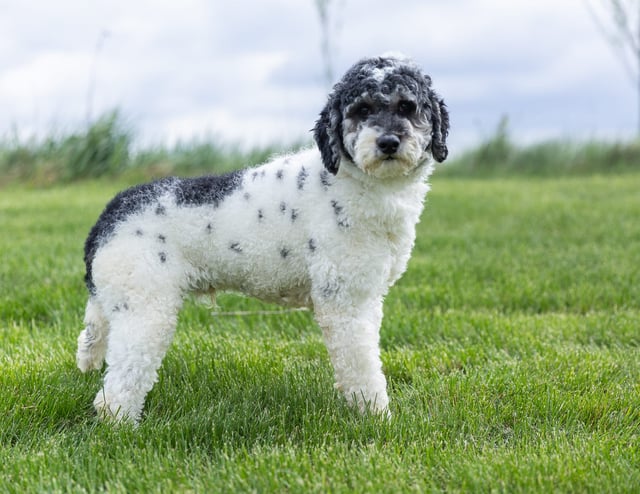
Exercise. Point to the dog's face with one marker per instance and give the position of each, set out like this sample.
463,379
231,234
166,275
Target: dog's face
384,118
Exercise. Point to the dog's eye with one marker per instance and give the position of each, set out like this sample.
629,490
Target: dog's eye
406,108
364,110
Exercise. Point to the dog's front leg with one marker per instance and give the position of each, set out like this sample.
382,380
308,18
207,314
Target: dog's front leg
351,334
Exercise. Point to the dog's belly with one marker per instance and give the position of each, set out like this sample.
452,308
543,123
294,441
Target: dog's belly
288,297
269,285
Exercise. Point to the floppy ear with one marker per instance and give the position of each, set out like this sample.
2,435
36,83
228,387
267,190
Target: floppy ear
328,134
439,127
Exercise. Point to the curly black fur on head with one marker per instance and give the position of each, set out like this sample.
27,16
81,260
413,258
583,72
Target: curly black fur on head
374,77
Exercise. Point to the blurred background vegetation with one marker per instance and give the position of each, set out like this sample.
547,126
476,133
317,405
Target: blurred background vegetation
107,148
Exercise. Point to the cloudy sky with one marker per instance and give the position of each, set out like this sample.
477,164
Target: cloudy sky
251,71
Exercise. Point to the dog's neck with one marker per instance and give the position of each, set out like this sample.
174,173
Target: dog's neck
391,204
419,175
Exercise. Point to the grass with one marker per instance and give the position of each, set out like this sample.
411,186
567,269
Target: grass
511,347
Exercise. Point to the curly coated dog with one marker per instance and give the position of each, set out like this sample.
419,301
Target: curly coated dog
330,228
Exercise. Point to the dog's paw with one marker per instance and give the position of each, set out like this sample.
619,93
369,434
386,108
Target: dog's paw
110,411
367,401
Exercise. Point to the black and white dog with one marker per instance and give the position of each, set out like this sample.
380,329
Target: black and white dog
330,228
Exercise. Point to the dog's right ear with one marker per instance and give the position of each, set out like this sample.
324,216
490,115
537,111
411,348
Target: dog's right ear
328,134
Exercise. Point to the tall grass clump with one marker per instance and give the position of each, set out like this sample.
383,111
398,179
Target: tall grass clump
106,147
500,155
103,148
192,158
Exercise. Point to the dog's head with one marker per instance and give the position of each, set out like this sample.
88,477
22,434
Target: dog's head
383,117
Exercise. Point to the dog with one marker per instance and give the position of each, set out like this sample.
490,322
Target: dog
330,228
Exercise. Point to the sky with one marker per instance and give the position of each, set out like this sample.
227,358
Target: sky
251,72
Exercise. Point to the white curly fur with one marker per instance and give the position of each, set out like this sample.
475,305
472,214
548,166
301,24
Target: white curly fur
287,231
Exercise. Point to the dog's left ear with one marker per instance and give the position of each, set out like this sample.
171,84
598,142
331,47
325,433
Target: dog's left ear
328,134
439,126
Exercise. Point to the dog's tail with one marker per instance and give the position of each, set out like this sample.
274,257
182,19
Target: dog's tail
92,342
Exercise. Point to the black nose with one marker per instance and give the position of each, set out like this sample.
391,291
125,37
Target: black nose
388,143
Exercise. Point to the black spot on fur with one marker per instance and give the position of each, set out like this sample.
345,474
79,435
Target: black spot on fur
139,233
120,307
294,215
246,196
260,215
325,179
280,174
283,207
284,252
161,210
235,247
209,228
162,239
254,175
202,191
312,244
162,256
330,290
302,177
343,222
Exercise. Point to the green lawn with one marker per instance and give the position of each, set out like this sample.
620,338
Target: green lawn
511,347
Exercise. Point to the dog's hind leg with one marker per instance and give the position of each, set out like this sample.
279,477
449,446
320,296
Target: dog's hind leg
92,342
139,337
